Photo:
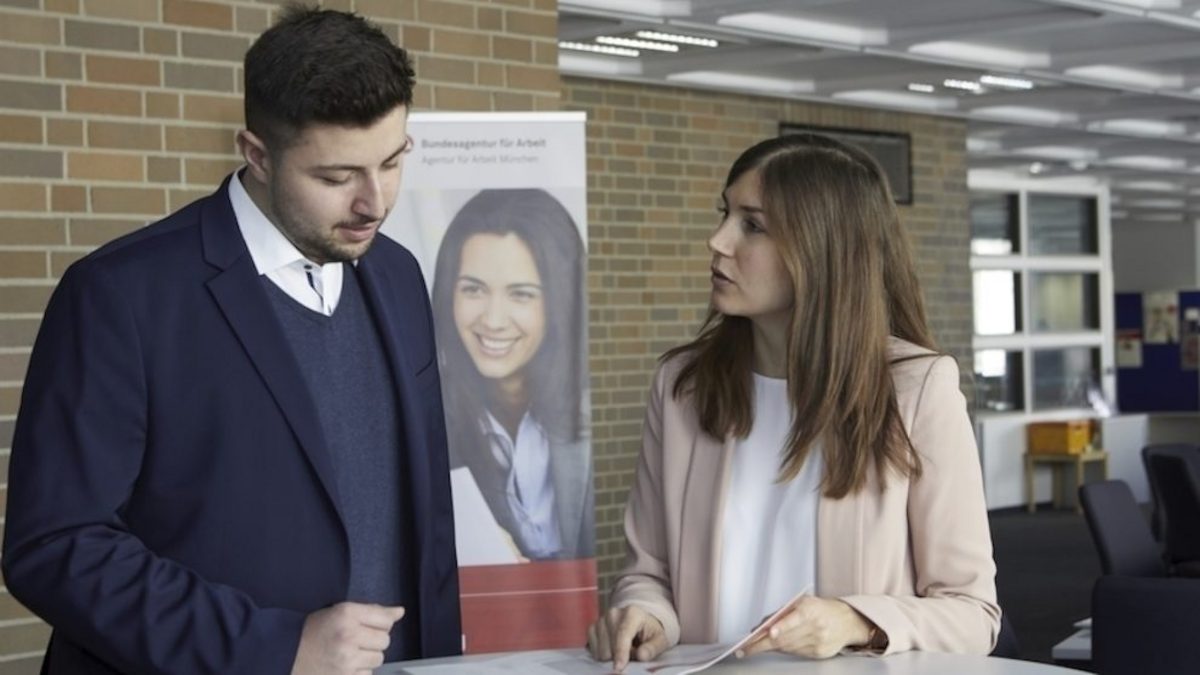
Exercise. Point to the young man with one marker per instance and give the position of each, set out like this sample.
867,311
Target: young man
230,455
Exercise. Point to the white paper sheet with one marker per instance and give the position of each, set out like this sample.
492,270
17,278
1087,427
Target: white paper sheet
680,660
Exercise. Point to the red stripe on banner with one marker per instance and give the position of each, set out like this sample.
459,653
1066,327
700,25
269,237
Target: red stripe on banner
536,605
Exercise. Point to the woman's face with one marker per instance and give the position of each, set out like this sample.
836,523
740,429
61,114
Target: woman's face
748,275
499,307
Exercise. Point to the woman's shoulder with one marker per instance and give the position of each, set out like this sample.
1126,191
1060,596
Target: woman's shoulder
914,367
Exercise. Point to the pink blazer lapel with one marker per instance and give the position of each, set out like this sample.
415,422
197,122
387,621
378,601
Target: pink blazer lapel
703,506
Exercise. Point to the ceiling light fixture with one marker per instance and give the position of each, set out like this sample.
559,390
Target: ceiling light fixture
921,87
991,57
897,99
1024,114
742,81
807,29
637,44
1138,127
678,39
1149,162
1061,152
599,49
965,85
1006,82
1128,77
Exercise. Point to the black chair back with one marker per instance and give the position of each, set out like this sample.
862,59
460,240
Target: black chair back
1145,625
1178,479
1007,645
1120,531
1157,517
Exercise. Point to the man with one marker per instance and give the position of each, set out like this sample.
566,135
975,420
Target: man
230,455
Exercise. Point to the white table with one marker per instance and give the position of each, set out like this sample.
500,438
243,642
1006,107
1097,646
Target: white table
1078,647
909,663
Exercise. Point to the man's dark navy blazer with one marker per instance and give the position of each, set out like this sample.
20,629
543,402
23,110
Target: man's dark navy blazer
172,507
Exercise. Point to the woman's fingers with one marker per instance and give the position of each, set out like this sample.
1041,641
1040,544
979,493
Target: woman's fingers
652,645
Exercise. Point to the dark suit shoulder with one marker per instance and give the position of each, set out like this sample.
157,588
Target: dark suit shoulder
154,249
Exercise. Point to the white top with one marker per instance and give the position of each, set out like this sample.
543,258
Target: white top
528,486
279,260
768,529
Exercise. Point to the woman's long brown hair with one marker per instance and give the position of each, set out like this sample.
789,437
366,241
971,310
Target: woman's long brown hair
832,217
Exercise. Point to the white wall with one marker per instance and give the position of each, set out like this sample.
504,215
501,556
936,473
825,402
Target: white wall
1155,256
1002,452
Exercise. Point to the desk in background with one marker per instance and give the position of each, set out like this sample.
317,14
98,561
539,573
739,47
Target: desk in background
908,663
1060,461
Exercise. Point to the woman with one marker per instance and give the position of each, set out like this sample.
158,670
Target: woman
810,437
508,310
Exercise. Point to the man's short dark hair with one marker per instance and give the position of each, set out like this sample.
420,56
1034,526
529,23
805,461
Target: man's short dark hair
324,67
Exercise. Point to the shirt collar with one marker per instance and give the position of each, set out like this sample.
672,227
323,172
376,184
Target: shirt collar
269,249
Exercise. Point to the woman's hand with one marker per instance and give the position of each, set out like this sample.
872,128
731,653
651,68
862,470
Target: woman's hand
625,632
817,628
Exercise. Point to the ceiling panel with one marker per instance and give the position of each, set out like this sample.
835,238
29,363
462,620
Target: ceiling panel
1106,88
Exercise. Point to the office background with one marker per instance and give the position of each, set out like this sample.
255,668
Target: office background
115,112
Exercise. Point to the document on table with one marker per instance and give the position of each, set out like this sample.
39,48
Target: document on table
680,660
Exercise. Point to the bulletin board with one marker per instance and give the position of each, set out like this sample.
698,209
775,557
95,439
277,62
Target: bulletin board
1156,352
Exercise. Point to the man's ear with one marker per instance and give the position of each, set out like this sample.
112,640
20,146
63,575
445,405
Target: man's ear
254,151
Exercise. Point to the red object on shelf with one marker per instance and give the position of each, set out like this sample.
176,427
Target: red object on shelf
535,605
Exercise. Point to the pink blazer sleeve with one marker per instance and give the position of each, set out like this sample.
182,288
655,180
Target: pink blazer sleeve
954,608
645,578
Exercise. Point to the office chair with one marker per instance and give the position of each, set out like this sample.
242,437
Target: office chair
1145,625
1007,644
1178,479
1156,521
1120,531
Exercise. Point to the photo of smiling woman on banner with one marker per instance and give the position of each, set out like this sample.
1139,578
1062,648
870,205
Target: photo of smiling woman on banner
508,304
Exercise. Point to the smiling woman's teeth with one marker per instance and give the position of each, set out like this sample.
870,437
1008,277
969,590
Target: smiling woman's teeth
494,345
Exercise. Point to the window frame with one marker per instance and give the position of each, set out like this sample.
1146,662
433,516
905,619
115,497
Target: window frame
1027,341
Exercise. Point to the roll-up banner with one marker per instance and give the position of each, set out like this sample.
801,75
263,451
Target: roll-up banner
494,207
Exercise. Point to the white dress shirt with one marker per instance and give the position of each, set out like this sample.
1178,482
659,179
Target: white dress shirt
276,257
528,486
769,529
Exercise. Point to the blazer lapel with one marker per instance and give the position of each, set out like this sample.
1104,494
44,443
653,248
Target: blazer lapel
568,465
238,291
700,532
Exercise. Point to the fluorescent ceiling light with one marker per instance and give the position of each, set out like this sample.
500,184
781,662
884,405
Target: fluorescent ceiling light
677,38
1023,114
595,64
1006,82
920,87
1130,77
1150,186
1156,203
651,7
1139,127
807,29
725,80
982,145
1148,4
636,44
1152,162
897,99
985,54
1160,217
598,49
965,85
1061,152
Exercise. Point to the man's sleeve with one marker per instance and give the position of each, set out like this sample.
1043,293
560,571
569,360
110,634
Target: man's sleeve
68,556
